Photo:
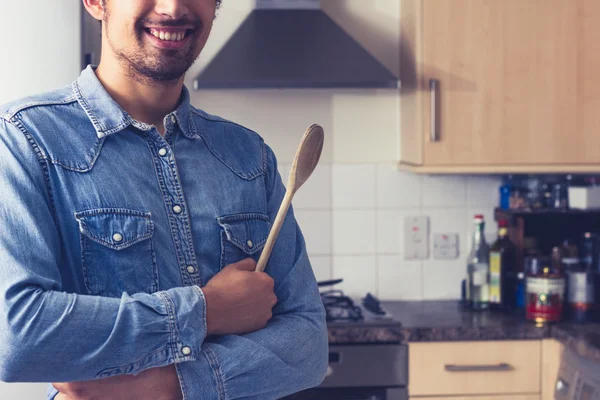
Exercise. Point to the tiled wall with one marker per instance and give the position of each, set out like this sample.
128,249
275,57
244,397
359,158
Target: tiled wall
351,210
352,218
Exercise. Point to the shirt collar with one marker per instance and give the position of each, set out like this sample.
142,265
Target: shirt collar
108,116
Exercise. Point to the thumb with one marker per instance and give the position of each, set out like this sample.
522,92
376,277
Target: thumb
247,264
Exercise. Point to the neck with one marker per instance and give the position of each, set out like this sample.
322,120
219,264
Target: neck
146,101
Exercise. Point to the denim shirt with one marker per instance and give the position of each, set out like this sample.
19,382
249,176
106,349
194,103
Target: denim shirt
110,230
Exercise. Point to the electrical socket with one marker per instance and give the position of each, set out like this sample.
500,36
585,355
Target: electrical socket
416,237
445,246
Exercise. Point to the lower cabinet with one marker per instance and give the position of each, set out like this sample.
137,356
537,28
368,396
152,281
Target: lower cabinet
497,397
484,370
500,368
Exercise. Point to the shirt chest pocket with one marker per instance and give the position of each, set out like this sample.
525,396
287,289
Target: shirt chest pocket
242,236
117,251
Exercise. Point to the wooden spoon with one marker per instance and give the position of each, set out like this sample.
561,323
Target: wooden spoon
307,158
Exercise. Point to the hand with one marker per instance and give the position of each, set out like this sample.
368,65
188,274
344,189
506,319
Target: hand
238,299
152,384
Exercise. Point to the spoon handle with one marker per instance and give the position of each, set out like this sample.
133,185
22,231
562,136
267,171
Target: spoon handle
283,209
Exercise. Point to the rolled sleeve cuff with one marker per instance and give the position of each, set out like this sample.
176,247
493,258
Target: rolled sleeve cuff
201,379
186,309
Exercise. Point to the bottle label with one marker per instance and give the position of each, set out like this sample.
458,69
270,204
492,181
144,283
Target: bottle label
480,272
545,298
581,289
495,277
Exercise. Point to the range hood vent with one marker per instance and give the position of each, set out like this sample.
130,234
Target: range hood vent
292,44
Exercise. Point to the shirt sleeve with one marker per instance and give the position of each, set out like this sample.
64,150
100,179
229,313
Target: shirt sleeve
291,353
48,335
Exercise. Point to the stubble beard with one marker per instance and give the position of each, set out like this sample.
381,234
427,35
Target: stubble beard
152,69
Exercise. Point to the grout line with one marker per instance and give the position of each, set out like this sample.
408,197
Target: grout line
375,236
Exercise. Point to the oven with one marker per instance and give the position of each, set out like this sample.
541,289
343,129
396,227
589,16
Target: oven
578,378
363,372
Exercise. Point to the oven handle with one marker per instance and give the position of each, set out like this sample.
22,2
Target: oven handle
478,368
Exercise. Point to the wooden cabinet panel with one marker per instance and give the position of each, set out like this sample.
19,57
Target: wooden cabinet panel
552,351
459,368
498,397
518,83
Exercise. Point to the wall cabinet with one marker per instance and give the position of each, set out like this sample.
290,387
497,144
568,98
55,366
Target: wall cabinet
500,86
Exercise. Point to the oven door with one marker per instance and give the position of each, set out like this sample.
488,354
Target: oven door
363,372
351,394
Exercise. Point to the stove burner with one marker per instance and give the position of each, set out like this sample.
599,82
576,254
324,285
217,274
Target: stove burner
339,307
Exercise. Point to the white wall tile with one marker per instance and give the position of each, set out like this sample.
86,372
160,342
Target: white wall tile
279,116
396,189
316,228
399,279
284,171
483,190
322,267
442,278
316,192
365,126
359,274
353,186
390,230
353,232
444,191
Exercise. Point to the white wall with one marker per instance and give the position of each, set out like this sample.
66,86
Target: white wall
39,52
351,210
40,46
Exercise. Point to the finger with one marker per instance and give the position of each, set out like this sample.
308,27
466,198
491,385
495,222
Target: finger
247,264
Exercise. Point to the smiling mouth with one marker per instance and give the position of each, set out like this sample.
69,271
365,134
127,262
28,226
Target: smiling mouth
169,35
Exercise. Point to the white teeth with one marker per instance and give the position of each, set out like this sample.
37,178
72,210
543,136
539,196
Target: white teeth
168,36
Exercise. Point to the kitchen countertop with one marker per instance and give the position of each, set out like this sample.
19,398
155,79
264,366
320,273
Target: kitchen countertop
430,321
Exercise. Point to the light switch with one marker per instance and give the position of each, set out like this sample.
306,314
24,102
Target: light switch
416,238
445,246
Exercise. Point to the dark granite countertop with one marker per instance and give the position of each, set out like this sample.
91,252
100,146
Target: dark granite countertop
428,321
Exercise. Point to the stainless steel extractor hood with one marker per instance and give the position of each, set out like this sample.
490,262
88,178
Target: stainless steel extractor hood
292,44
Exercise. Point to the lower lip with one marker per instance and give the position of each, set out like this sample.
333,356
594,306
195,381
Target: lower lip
168,44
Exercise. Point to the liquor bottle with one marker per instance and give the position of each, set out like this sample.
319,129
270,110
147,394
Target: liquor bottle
479,267
503,270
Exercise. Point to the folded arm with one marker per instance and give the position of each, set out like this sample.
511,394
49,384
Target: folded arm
43,329
290,353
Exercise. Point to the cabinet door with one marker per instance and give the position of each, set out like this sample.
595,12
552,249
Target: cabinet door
518,82
499,368
501,397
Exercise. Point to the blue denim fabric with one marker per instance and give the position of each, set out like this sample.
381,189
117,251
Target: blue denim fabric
109,231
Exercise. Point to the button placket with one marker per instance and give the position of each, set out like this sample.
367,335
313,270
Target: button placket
172,193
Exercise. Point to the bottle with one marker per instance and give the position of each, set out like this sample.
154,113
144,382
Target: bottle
503,270
505,191
580,290
479,267
545,287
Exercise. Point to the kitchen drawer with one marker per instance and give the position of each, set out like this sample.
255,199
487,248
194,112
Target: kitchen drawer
494,397
474,368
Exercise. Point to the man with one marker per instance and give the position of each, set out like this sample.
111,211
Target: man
131,223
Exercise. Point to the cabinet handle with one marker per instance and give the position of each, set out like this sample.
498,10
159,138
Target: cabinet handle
433,89
478,368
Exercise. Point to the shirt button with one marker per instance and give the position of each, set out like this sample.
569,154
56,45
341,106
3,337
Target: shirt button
186,351
162,152
191,269
173,120
117,237
177,209
250,244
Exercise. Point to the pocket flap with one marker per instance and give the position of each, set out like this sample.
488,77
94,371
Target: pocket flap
116,228
248,231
